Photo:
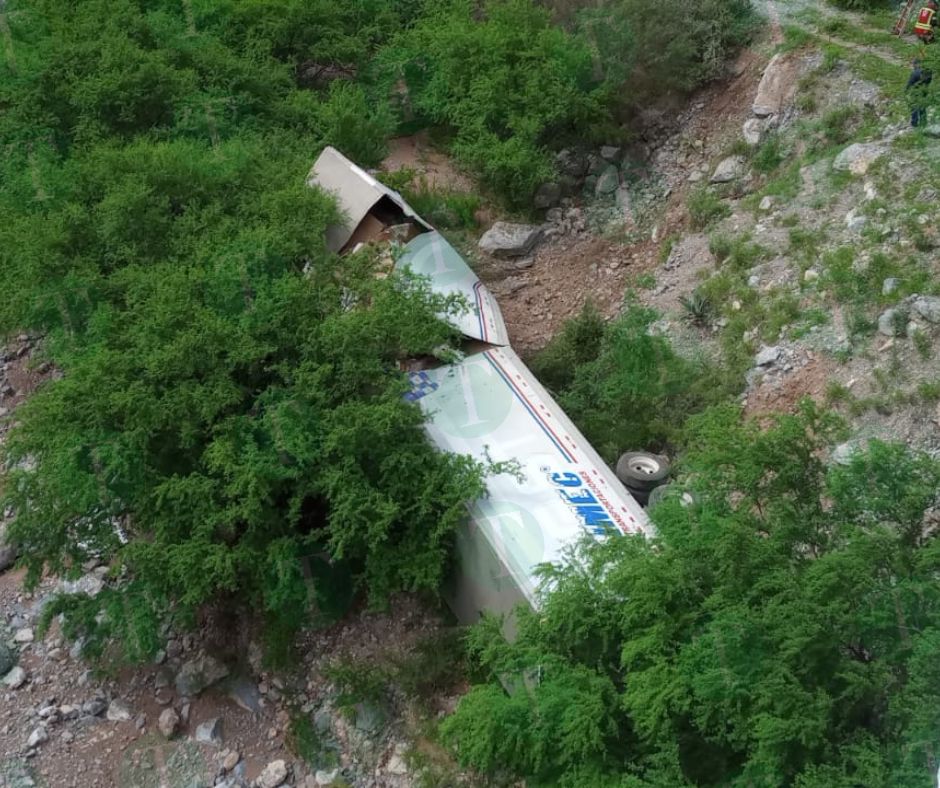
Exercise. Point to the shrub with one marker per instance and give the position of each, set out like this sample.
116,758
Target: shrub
705,208
507,82
783,624
625,388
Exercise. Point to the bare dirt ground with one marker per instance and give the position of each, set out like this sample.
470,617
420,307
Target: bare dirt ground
431,166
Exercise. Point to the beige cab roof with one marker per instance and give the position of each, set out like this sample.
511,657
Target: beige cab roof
356,192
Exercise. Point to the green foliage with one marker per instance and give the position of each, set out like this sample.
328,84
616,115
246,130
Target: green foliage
229,426
506,81
698,308
625,388
434,665
355,126
779,631
705,207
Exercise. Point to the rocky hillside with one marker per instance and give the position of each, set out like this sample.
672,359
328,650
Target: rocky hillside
784,221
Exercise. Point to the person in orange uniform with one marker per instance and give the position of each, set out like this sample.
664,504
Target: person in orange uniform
926,22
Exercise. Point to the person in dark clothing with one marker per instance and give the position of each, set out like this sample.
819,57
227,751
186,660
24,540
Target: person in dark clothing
917,84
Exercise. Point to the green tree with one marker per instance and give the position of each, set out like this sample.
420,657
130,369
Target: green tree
780,631
504,80
228,422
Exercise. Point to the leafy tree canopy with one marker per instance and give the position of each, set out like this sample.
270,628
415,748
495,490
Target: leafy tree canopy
781,631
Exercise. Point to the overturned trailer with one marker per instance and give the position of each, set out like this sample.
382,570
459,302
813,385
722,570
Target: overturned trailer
488,405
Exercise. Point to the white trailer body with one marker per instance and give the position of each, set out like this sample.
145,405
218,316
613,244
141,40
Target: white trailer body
489,405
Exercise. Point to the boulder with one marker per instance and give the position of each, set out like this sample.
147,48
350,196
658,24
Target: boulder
753,131
890,285
774,88
118,711
610,153
38,736
547,195
855,221
15,678
844,452
892,323
230,761
326,778
607,181
505,239
729,169
199,673
274,774
767,356
571,163
767,203
7,658
168,723
928,307
933,130
24,635
90,584
210,732
8,552
858,157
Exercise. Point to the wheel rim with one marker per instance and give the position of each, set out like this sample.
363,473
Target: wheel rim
645,465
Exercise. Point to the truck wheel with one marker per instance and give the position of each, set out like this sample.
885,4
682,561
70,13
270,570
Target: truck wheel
638,470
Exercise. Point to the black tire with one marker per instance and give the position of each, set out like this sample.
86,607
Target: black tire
638,470
642,497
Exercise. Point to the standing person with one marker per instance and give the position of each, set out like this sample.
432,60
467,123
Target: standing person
926,22
918,82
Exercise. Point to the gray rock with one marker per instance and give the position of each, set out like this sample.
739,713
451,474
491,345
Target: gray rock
7,658
369,717
767,356
624,205
753,131
118,711
8,552
767,203
892,322
14,678
38,736
610,153
210,732
94,707
928,307
547,195
90,584
571,163
933,130
855,221
274,774
24,635
890,285
607,181
554,215
858,157
245,693
168,722
505,239
729,169
843,453
199,673
774,89
326,778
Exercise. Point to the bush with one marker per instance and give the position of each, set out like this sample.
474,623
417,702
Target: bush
623,387
781,630
705,208
229,425
506,81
